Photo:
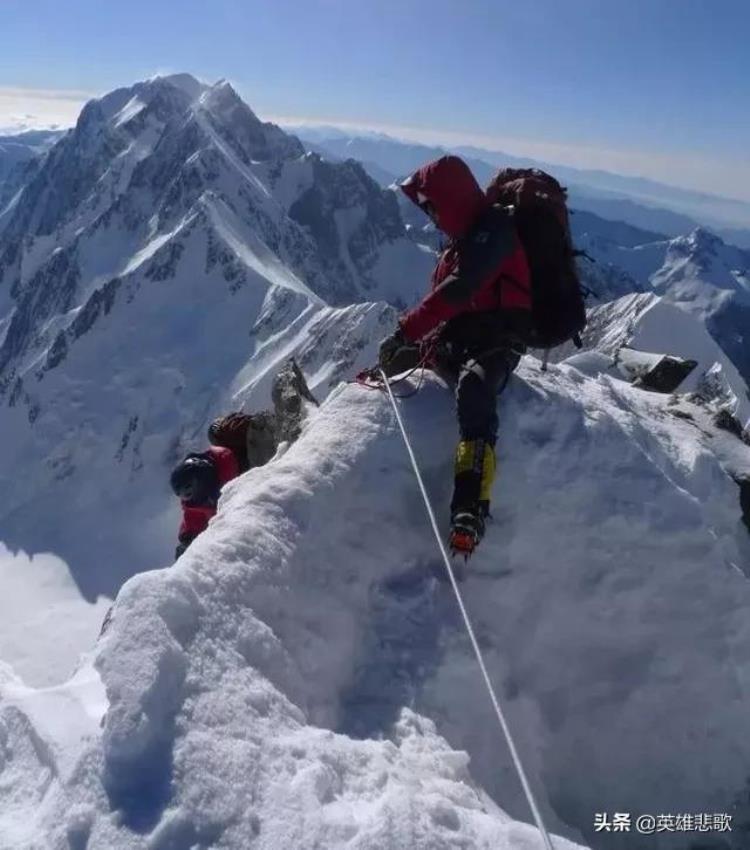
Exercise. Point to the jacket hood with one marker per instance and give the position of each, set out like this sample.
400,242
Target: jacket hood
449,186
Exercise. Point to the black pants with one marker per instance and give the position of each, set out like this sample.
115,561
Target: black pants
478,378
479,373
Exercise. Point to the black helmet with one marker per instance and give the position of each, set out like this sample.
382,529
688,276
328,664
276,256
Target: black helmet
195,480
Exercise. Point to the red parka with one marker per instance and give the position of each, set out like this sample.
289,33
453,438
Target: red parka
484,267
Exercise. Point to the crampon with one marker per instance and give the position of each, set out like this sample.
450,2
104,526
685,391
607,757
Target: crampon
467,529
461,543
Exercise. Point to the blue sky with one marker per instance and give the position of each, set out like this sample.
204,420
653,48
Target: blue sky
653,87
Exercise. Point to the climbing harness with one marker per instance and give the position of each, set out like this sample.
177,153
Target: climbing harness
371,379
469,628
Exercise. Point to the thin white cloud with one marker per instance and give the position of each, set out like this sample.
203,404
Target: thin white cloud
75,95
33,109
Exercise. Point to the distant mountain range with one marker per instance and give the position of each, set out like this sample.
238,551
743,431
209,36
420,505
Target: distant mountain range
635,200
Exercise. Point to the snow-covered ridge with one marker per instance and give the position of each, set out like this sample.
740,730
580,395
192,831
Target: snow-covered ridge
698,272
686,268
140,162
650,323
256,690
159,247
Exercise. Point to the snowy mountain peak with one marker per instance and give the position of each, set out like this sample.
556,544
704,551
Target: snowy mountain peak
703,246
250,138
167,95
222,97
700,245
185,82
700,267
201,238
704,239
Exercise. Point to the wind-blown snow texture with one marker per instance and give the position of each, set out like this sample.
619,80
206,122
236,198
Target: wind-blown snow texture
609,599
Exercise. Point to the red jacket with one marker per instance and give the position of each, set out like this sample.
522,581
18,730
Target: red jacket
195,517
484,267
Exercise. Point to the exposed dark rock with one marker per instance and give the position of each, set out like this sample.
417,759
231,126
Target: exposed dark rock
232,269
51,290
16,392
99,303
261,438
290,395
727,422
683,414
341,187
58,351
666,375
164,263
126,437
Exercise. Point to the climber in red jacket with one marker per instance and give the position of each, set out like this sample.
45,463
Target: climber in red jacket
471,321
197,481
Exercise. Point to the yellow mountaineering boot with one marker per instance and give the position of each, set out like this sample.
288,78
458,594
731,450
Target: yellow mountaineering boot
475,467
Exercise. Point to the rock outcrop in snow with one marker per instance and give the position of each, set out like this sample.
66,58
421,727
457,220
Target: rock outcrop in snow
648,323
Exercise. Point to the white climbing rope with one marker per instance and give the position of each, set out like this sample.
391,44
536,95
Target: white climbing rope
470,629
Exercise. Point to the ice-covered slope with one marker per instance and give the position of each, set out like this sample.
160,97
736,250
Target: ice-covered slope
649,323
256,689
698,272
167,254
93,427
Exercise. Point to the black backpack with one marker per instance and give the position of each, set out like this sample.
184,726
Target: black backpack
541,216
